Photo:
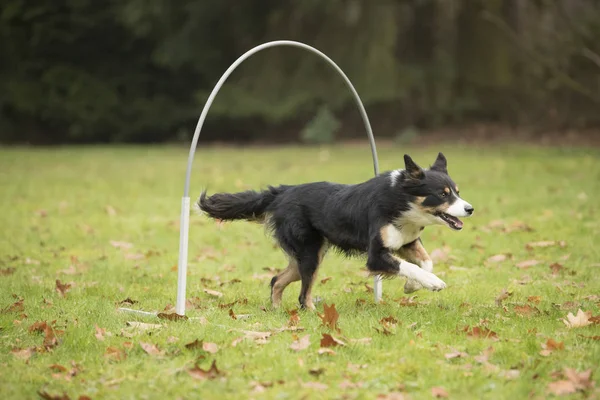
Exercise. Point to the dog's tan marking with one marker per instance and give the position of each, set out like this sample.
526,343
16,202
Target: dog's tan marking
289,275
447,190
391,237
419,200
308,302
457,191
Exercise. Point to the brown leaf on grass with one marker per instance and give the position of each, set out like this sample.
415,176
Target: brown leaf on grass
561,387
595,320
322,351
151,349
330,341
294,318
579,320
196,344
211,348
330,316
100,333
172,316
301,344
366,340
316,371
115,354
213,293
50,339
15,307
209,374
389,321
556,268
23,354
143,326
527,264
7,271
325,280
62,288
455,354
58,368
408,301
525,310
590,337
545,243
232,314
480,332
498,258
47,396
504,294
484,357
550,346
439,392
534,299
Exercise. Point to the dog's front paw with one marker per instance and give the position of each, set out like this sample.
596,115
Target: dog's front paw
412,286
432,282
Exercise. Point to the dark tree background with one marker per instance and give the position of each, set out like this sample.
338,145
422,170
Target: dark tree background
140,70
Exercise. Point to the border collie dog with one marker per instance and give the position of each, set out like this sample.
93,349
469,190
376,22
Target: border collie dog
381,218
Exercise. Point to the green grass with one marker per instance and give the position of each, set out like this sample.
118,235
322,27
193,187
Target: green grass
62,207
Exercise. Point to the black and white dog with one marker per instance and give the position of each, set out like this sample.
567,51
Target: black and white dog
382,218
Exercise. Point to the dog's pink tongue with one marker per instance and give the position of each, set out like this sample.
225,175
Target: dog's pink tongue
458,223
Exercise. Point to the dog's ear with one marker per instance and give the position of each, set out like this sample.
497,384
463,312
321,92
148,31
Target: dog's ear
440,164
414,171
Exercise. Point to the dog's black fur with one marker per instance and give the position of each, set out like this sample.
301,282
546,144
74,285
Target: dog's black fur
306,218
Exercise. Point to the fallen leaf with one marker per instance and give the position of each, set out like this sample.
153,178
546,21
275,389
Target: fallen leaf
232,314
562,387
504,294
545,243
329,317
143,326
115,354
100,333
550,346
196,344
301,344
455,354
294,318
389,321
15,307
58,368
47,396
590,337
211,348
556,268
525,310
579,320
325,280
316,371
439,392
151,349
172,316
210,374
581,380
23,354
213,293
7,271
330,341
128,301
322,351
366,340
479,332
534,299
527,264
62,288
498,258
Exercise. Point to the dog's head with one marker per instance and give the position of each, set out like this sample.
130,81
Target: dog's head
436,199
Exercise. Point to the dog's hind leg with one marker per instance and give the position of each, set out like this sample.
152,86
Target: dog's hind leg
308,266
415,253
282,280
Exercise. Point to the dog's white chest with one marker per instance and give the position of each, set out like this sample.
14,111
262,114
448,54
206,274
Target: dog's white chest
394,237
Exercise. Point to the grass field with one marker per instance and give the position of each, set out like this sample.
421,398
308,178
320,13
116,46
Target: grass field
104,220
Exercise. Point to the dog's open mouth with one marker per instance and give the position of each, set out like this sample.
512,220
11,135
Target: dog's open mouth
452,222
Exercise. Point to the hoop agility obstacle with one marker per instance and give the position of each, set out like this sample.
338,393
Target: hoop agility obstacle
185,201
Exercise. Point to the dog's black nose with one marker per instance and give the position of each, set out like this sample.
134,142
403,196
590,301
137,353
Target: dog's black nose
469,209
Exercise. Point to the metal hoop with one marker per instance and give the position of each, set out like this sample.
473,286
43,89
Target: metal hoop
185,201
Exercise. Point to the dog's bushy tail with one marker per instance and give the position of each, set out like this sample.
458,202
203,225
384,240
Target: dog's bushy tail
249,205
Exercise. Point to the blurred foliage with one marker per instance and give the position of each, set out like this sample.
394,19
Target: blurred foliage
136,70
322,128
